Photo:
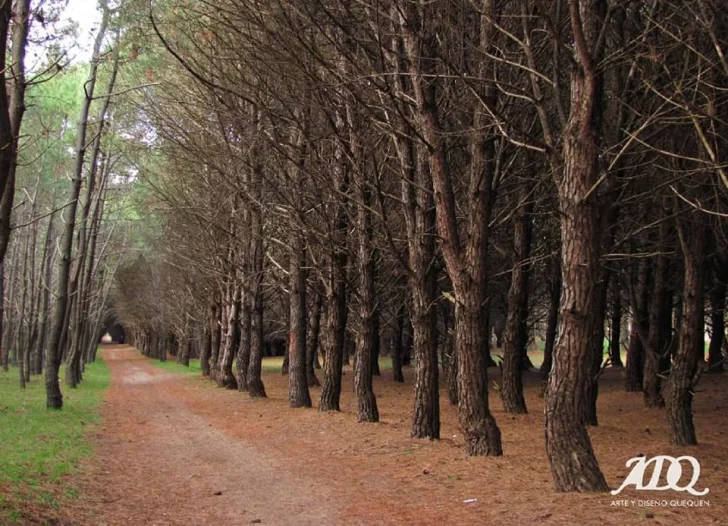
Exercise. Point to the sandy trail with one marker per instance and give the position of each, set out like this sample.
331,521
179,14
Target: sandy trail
159,463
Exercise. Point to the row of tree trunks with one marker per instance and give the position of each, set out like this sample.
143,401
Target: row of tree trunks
54,397
465,262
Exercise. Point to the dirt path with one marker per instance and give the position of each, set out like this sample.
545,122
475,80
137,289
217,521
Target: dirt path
175,449
160,463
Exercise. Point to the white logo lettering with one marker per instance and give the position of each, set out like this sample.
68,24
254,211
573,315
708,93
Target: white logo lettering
673,476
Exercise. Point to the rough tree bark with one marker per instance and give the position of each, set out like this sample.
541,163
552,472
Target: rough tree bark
653,343
298,393
685,370
231,339
514,348
312,341
367,410
333,343
552,319
574,466
465,262
256,389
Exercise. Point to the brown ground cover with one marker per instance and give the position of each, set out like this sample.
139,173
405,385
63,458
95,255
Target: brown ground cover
175,449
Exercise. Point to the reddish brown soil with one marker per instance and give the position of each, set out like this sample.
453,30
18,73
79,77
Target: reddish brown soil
175,449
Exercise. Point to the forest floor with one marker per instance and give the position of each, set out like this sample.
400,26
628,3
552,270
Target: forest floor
175,449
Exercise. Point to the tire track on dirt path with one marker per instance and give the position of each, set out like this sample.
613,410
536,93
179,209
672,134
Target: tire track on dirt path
157,462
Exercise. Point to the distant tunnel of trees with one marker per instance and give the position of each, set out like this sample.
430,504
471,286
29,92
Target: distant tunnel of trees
449,183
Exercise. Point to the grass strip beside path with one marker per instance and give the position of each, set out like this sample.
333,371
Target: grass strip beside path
41,449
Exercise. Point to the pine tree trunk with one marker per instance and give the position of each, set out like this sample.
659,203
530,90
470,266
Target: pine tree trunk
639,323
482,436
396,347
465,261
450,362
552,321
367,410
298,393
685,372
231,341
243,358
216,331
377,349
205,350
596,354
256,389
717,316
333,343
615,337
313,341
574,466
514,349
655,344
420,224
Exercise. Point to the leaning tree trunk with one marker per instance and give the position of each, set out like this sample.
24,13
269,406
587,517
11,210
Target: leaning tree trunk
54,398
685,371
16,20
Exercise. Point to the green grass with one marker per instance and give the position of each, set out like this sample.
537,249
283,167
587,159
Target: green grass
40,448
271,364
174,367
